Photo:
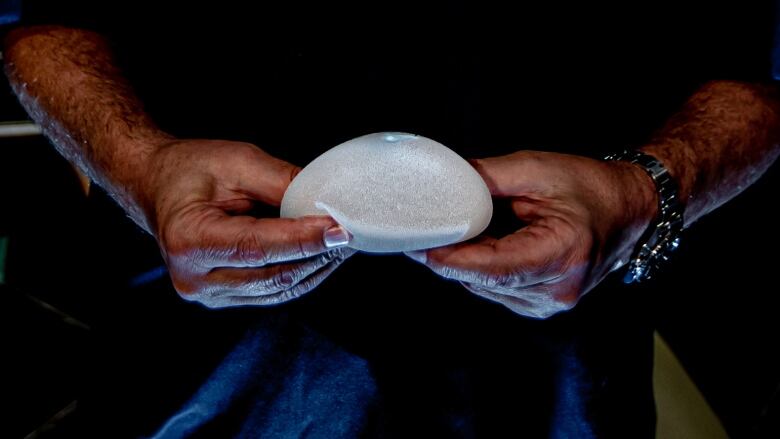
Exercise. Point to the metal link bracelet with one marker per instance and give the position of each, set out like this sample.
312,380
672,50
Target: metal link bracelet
663,235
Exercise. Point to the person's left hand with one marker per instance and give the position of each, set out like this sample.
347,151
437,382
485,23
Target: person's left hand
583,218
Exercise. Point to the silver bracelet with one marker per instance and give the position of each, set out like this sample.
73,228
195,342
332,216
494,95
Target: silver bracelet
663,235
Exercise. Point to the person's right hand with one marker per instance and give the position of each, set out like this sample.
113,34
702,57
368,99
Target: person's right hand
195,197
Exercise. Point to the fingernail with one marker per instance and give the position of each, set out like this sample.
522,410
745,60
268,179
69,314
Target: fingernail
336,236
418,255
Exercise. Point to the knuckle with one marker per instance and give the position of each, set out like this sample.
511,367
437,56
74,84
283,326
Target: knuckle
566,302
332,255
174,245
562,301
293,293
182,253
242,152
249,250
282,280
308,284
550,302
181,243
185,287
498,280
193,289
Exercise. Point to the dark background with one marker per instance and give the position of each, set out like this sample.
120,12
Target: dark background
715,304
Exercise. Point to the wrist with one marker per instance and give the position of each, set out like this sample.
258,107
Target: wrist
680,160
639,200
133,178
662,237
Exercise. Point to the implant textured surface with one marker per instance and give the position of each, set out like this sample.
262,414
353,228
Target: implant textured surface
393,192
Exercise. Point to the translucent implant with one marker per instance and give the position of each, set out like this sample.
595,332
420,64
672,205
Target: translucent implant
394,192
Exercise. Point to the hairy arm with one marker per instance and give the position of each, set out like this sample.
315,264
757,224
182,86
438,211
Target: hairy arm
192,195
723,140
67,81
585,216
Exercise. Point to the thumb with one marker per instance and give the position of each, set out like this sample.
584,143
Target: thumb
498,174
511,175
266,178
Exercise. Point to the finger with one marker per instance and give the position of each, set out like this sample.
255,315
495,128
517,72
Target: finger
266,280
264,177
526,257
503,175
520,303
518,174
533,303
538,294
292,293
244,241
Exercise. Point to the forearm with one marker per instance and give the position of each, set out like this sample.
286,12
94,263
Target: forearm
724,139
68,83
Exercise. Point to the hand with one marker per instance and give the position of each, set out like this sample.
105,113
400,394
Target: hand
583,218
196,195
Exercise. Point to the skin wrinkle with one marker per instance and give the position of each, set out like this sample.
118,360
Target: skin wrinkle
250,249
186,251
271,290
722,140
289,294
719,143
181,191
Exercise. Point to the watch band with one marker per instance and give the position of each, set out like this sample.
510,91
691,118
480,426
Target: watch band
663,235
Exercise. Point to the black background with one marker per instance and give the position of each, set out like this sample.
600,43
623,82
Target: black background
580,79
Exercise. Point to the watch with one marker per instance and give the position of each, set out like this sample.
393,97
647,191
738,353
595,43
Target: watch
663,235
